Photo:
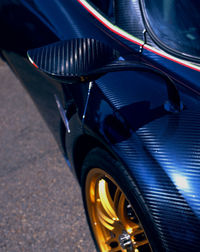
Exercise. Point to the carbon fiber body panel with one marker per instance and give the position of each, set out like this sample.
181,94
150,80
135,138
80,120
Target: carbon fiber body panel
72,58
128,17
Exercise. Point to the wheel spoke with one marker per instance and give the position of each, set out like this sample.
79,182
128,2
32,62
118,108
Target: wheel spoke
106,199
116,199
104,216
105,220
106,224
141,243
137,231
120,208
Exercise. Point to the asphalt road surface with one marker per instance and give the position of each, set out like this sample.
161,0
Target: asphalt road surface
40,201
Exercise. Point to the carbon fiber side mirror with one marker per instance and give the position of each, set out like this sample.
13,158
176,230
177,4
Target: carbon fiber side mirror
72,60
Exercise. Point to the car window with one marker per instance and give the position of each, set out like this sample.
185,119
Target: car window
176,24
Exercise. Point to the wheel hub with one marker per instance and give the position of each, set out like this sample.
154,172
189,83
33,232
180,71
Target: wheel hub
125,241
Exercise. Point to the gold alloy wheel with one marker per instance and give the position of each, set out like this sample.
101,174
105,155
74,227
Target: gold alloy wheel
115,224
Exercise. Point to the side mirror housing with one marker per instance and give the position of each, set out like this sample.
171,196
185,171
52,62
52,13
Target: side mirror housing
72,60
86,59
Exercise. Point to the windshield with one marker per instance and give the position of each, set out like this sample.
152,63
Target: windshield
176,23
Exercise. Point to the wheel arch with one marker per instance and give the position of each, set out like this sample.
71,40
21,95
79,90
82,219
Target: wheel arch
80,151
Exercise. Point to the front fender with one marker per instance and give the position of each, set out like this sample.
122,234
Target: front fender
159,149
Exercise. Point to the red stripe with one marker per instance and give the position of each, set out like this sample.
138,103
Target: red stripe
165,56
136,42
35,65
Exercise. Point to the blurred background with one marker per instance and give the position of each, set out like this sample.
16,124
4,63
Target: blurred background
40,201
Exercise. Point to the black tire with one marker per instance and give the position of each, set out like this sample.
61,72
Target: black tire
99,160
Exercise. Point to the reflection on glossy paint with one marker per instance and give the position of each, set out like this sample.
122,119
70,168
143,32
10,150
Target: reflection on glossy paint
181,182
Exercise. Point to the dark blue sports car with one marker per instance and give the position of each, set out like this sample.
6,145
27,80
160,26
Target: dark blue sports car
118,84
